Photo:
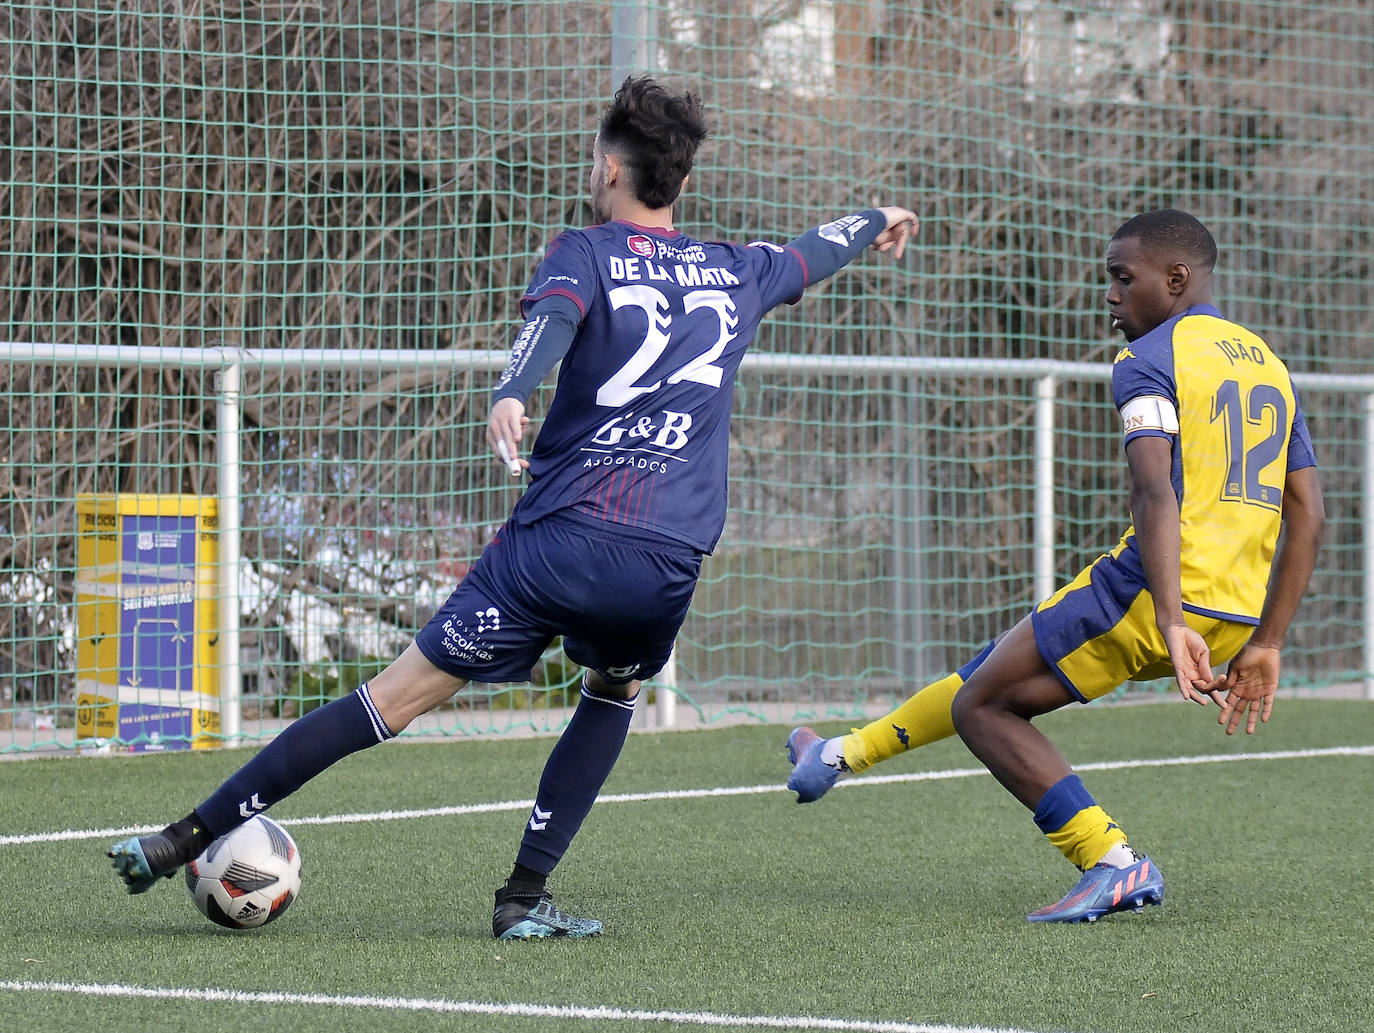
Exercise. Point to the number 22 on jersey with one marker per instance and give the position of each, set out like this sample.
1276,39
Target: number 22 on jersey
623,386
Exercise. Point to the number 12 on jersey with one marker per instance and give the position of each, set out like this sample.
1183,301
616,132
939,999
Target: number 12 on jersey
1263,409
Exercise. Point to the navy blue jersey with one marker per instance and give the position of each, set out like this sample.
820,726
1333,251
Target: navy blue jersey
638,430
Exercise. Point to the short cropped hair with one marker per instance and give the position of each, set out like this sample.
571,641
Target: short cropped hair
1173,234
656,134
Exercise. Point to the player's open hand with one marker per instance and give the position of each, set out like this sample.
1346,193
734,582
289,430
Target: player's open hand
505,427
1192,662
1250,684
901,225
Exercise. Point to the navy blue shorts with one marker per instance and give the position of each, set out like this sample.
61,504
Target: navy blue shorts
617,596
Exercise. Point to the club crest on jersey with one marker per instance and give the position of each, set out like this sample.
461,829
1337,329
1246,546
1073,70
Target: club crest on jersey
641,245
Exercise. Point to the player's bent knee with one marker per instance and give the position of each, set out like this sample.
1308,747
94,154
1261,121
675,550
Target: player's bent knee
963,709
599,686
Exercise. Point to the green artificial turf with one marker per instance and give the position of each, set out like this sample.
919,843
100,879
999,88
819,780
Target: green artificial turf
886,902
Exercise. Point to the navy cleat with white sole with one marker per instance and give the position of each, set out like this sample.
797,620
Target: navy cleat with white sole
1104,890
521,917
142,860
811,777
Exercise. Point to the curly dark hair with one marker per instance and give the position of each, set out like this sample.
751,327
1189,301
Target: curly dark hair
656,134
1172,233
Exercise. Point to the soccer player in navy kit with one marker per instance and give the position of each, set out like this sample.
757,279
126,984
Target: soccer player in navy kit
627,491
1219,455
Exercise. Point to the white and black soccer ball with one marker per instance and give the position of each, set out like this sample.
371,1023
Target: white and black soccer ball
248,877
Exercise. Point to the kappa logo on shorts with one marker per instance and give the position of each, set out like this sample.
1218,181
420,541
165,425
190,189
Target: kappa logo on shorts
623,672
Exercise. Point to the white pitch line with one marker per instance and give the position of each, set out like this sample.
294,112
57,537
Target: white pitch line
593,1013
458,810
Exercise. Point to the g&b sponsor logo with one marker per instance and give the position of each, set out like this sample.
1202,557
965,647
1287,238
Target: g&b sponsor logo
641,245
669,433
641,442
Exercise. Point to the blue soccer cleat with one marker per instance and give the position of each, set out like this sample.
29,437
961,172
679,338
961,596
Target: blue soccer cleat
141,861
811,777
1105,889
519,917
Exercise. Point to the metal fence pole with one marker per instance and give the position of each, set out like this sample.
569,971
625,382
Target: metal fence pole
633,24
1043,579
229,363
1367,494
910,637
227,460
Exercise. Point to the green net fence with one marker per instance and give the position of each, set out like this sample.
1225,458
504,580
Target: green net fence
195,188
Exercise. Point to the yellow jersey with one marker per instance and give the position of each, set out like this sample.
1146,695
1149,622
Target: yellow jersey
1227,404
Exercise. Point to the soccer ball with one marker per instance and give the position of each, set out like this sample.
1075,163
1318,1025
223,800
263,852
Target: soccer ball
248,877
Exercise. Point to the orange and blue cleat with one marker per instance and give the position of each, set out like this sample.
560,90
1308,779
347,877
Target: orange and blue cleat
812,777
1104,890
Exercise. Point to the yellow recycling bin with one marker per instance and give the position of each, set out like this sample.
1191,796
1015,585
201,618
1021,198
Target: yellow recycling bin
146,623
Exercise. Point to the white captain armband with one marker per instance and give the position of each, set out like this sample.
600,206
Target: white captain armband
1149,412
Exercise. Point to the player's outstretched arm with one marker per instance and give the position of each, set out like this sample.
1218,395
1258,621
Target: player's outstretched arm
827,249
1252,678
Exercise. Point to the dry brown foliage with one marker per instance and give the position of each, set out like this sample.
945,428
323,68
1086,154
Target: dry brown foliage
289,175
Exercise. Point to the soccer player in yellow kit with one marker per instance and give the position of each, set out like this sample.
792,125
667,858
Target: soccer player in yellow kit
1219,457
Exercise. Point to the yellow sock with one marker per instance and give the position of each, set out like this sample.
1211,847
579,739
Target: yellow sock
1071,820
1087,837
923,718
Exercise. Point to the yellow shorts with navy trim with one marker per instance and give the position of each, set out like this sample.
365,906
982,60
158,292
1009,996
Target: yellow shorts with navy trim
1099,631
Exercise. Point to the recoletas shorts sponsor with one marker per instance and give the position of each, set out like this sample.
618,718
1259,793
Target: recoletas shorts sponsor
617,595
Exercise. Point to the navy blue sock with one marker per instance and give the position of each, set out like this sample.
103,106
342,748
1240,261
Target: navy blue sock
301,752
574,774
